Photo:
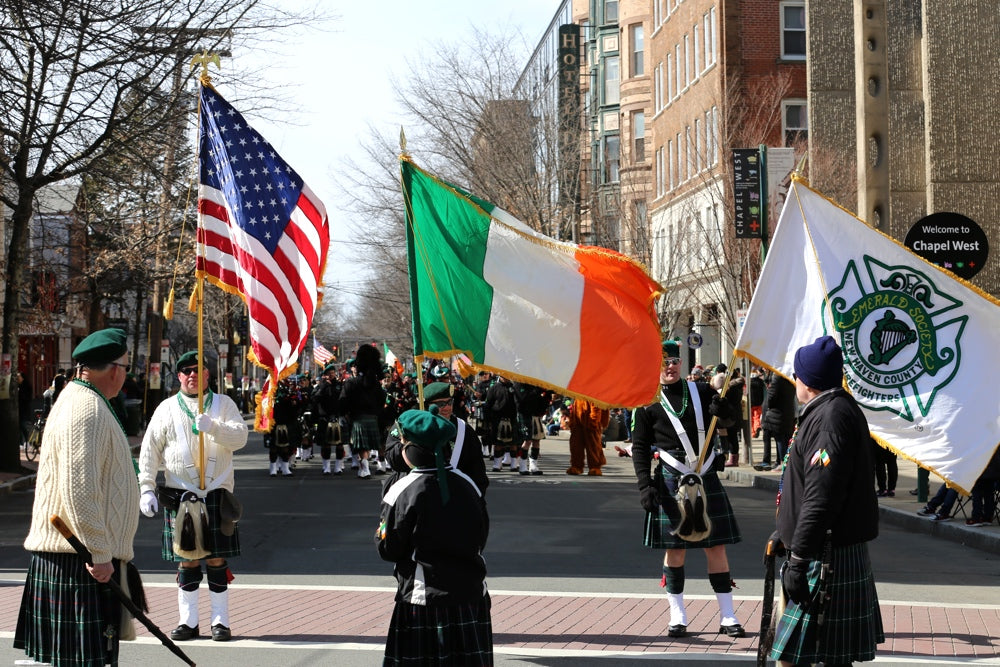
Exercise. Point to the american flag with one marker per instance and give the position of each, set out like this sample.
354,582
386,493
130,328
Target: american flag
321,355
263,234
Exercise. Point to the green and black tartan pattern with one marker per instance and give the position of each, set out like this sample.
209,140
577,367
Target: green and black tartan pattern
657,528
459,635
853,624
67,617
365,434
220,545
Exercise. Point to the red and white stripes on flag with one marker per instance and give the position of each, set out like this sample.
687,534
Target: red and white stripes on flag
321,355
262,234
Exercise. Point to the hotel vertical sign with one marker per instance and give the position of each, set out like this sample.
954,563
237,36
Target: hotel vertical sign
569,111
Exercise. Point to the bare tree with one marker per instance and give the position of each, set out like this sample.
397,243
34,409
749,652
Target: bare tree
83,80
709,274
465,122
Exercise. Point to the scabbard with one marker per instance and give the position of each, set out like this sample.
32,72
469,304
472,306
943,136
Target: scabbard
766,636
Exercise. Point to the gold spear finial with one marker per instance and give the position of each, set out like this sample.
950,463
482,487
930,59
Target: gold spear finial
204,59
402,140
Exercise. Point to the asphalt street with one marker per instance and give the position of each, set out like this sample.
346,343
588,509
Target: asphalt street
549,534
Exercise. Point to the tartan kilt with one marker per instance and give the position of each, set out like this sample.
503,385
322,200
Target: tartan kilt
365,434
725,530
530,428
65,613
220,545
853,624
459,635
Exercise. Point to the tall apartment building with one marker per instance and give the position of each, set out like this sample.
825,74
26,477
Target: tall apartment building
667,88
725,74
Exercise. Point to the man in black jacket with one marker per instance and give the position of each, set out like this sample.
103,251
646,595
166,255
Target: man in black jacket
675,427
326,412
827,513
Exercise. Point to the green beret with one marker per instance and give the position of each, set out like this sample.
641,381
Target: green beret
332,366
437,391
101,347
671,348
188,359
426,430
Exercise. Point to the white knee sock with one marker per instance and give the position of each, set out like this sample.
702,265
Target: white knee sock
727,616
678,614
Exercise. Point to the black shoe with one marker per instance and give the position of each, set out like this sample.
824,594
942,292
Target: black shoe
677,631
221,633
732,630
183,633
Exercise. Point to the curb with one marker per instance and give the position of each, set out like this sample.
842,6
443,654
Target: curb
971,537
17,484
20,483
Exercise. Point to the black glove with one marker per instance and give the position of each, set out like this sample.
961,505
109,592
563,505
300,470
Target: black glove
795,580
774,547
649,498
720,407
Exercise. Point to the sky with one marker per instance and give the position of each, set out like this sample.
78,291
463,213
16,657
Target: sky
338,80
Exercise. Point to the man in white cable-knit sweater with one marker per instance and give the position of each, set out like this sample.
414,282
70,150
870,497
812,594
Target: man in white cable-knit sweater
171,442
85,476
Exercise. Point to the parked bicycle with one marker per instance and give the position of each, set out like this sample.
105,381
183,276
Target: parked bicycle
34,441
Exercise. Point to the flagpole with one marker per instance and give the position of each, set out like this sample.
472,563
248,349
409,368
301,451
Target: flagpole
203,61
418,357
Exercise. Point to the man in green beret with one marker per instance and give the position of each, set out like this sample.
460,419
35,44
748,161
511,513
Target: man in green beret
466,452
86,477
433,526
172,443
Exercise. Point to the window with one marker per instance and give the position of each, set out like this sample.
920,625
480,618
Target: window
670,78
699,149
793,30
639,135
612,155
679,68
658,159
670,162
611,11
709,140
794,121
611,80
715,135
689,145
657,88
639,210
638,67
687,61
680,158
697,50
709,23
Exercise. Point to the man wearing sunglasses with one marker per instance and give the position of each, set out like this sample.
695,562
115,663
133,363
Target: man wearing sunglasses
171,442
675,425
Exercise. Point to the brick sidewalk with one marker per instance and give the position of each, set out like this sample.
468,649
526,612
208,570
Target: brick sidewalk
555,622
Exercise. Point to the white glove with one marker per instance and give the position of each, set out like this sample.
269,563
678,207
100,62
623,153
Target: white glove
148,504
204,423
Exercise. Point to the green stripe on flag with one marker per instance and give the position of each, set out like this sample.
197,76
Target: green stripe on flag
446,236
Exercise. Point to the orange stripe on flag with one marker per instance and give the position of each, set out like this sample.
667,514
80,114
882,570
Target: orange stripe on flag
609,312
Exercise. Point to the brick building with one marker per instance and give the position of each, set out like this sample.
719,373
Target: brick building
667,88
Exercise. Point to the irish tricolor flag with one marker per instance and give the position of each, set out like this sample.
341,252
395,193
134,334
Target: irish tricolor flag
579,320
